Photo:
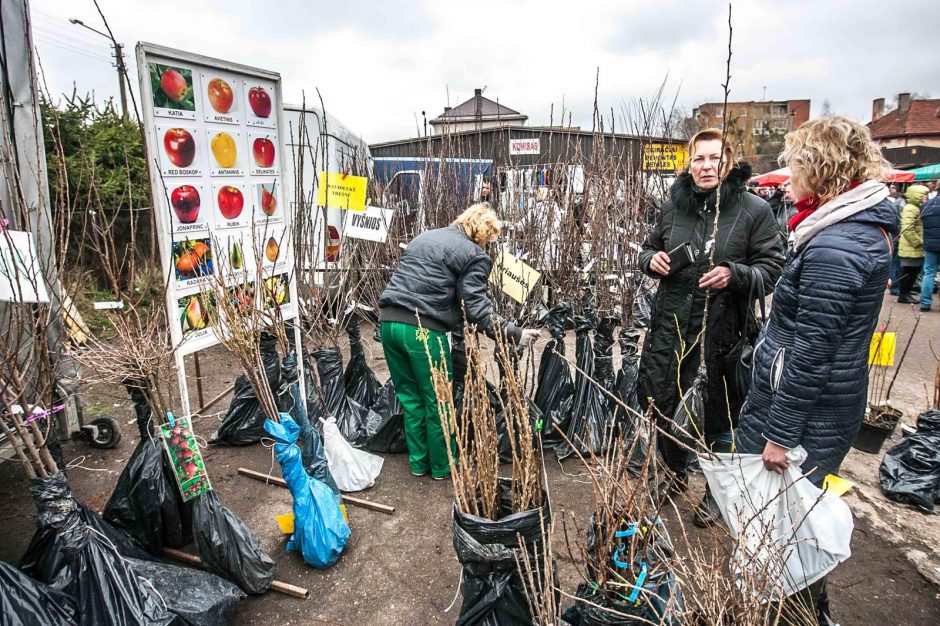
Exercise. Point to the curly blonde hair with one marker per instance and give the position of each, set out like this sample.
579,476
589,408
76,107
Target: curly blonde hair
480,223
830,154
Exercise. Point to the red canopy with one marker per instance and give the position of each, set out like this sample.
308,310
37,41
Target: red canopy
778,177
899,176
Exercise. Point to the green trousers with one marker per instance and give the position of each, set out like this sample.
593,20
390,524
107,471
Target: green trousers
406,351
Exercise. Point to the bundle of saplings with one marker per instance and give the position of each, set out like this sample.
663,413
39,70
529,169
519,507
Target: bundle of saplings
244,422
351,416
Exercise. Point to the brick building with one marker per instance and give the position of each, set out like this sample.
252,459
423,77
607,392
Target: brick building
909,135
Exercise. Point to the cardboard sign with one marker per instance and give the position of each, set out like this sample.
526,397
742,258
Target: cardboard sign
20,275
514,277
525,146
337,191
371,225
179,441
664,157
881,351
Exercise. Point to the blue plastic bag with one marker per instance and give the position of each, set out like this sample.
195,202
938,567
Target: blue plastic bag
320,530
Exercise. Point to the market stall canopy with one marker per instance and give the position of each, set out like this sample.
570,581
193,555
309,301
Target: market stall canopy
928,172
778,177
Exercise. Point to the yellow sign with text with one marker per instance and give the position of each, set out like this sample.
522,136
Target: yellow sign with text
514,277
663,157
337,191
881,351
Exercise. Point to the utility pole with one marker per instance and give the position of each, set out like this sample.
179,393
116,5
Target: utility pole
118,62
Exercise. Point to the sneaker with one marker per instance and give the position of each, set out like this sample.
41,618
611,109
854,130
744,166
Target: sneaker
441,477
418,474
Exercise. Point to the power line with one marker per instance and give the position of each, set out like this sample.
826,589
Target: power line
50,42
85,45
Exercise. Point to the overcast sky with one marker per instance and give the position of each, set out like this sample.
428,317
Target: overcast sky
379,64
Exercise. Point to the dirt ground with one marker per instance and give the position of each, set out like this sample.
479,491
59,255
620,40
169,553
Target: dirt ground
401,569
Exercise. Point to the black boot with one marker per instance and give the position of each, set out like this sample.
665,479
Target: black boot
707,512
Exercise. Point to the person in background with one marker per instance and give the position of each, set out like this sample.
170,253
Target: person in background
809,375
897,200
930,220
486,190
748,248
441,278
932,187
911,243
778,206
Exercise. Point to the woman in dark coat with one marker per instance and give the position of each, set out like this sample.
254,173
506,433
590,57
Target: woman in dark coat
809,380
748,248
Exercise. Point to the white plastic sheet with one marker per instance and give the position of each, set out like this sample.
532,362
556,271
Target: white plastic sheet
353,470
788,525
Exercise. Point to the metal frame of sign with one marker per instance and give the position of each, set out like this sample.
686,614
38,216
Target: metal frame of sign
169,230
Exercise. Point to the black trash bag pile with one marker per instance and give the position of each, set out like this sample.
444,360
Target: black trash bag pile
146,502
635,432
200,598
910,471
590,411
643,306
659,602
79,560
554,393
244,422
359,380
227,546
26,602
351,417
493,593
385,427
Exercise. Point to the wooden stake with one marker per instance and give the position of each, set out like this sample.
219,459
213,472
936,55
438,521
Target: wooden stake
216,399
280,482
277,585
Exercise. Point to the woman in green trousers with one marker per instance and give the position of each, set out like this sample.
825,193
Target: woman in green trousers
440,280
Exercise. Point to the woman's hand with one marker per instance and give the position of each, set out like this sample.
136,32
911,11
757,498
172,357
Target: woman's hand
718,278
660,263
775,458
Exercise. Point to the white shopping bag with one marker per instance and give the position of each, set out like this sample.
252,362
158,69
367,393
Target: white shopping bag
353,470
788,525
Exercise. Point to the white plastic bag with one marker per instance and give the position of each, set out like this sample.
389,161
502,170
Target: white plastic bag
353,470
784,523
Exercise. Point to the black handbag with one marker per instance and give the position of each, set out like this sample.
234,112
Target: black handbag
738,360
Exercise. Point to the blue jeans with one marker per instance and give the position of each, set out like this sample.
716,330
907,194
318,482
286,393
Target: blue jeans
894,273
930,274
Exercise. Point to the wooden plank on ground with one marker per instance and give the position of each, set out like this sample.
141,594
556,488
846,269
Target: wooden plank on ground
280,482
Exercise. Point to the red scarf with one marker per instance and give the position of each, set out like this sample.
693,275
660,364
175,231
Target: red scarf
807,206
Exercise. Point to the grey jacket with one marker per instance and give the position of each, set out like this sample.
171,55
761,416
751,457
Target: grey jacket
441,271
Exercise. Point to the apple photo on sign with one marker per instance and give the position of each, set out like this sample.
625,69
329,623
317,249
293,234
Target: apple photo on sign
227,150
223,103
192,258
180,150
173,92
276,292
232,206
196,312
189,206
267,202
263,148
259,104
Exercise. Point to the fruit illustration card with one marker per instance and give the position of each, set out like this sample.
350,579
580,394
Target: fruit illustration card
273,245
223,101
182,151
190,206
267,198
232,205
263,148
227,152
239,253
260,110
197,314
180,444
192,261
174,91
275,292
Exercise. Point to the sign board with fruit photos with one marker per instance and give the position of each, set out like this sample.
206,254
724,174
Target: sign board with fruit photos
181,446
216,161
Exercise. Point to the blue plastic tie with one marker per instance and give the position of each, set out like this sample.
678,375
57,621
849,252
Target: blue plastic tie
170,418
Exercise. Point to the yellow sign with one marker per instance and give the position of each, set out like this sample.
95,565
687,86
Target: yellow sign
660,157
514,277
881,351
836,485
337,191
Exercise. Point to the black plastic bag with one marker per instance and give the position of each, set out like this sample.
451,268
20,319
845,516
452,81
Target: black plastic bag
146,502
198,597
590,412
82,562
910,471
554,393
227,546
351,417
635,431
312,454
26,602
643,306
385,427
359,380
493,593
604,353
244,422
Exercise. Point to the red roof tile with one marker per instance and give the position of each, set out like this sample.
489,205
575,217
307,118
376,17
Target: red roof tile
923,118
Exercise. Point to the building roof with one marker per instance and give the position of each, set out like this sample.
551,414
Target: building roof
521,132
489,110
922,118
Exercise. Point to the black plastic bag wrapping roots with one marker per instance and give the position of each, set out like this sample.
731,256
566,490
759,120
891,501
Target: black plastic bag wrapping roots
146,502
493,593
359,380
636,434
351,417
643,306
77,559
244,422
200,598
554,393
658,602
604,353
590,412
227,546
910,471
26,602
385,428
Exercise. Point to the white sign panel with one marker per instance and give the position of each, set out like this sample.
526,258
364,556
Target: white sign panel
525,146
371,224
20,275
